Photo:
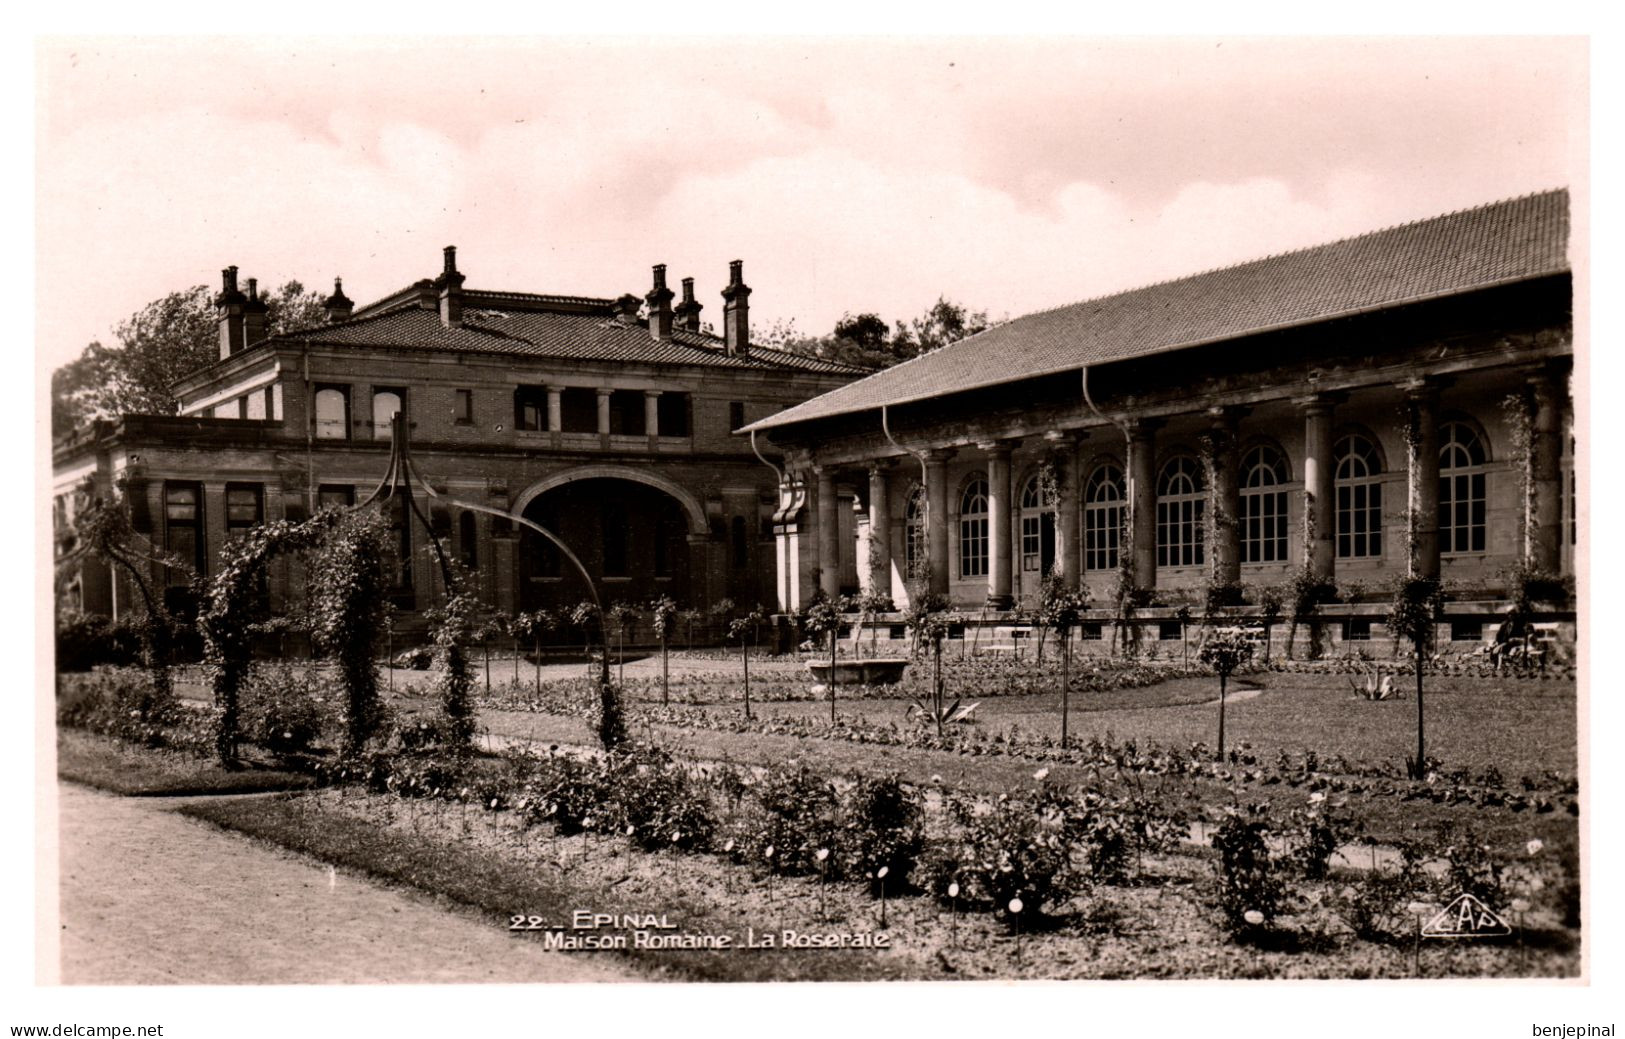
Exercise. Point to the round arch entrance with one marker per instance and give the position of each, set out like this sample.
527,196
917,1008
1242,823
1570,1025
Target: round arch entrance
631,536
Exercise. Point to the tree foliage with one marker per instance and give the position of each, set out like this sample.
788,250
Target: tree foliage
865,340
164,341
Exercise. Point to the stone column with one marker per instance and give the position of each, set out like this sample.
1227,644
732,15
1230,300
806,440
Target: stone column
829,545
1423,499
936,520
1224,497
1142,501
1545,526
603,412
1321,552
651,413
998,525
555,410
879,530
1068,511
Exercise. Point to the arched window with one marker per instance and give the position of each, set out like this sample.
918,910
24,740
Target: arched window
1358,476
1461,489
332,414
1037,529
1102,517
1263,506
468,540
741,543
386,404
973,530
914,532
1181,504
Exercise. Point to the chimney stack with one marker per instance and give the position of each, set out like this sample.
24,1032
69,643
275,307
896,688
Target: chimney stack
339,306
229,304
736,312
625,309
659,300
254,316
688,311
450,284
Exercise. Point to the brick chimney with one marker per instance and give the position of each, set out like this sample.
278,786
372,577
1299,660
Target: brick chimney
229,304
450,284
659,300
736,312
339,306
688,311
254,316
625,309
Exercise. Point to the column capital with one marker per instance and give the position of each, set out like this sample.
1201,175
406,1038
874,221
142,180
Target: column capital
653,393
998,447
938,455
1320,402
604,391
1063,438
1424,387
1227,414
880,466
1144,428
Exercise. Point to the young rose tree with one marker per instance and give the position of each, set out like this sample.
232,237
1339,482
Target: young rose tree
824,618
662,615
1412,614
1060,608
744,629
1225,650
928,619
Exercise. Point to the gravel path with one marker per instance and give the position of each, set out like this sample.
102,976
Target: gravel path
150,897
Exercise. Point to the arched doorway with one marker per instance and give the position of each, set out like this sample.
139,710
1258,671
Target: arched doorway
632,538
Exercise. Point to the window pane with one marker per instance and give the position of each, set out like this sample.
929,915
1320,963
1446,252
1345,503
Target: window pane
331,419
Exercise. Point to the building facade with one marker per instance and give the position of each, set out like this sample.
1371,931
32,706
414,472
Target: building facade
1393,401
611,427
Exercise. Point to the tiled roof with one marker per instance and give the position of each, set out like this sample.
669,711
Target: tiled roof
564,328
1476,248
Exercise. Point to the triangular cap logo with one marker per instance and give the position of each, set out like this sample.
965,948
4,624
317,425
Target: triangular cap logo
1466,917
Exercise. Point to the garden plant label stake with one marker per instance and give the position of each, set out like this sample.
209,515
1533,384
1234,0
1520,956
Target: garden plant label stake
1466,917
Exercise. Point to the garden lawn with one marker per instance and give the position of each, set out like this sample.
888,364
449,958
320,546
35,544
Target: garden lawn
107,764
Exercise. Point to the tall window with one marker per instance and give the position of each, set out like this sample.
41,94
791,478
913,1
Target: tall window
332,495
530,408
244,507
673,414
739,535
1181,503
1263,506
1037,529
462,407
1102,517
736,414
468,540
183,527
1461,489
399,517
1358,476
973,530
914,532
332,413
386,404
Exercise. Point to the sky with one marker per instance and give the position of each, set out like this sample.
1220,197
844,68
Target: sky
850,175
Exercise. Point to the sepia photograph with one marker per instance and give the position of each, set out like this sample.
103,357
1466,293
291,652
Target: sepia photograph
674,510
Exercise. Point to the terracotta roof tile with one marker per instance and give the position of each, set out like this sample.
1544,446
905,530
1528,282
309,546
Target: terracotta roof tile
1476,248
564,328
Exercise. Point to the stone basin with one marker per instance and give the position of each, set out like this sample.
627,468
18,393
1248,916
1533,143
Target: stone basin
870,671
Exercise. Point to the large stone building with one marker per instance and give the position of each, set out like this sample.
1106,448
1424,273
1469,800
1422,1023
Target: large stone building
1224,428
610,428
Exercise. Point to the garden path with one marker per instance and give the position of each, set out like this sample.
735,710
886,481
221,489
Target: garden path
150,897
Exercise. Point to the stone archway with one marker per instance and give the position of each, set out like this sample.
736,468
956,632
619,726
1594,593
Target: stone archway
693,510
632,536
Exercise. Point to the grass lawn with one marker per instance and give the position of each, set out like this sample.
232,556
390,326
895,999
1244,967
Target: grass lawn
138,772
